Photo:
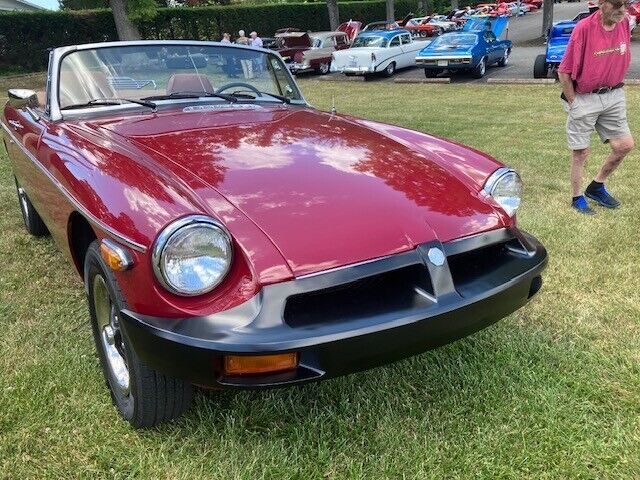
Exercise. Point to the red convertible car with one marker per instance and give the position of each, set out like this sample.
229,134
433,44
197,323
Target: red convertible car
229,235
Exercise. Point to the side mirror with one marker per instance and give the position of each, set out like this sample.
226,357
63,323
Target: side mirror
22,99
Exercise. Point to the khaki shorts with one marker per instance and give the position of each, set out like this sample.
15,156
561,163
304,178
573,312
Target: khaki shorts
606,113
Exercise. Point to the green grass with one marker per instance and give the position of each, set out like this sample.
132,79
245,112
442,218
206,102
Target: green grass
553,391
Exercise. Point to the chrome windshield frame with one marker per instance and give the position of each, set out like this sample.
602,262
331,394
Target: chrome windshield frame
58,54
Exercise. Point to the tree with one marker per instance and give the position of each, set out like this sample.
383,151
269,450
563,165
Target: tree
454,5
125,27
124,11
390,13
334,18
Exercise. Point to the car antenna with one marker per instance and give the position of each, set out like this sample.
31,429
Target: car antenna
333,104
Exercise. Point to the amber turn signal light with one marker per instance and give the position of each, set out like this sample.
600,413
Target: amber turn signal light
255,364
116,257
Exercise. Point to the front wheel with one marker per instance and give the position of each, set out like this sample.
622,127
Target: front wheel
323,69
143,396
390,70
540,67
480,69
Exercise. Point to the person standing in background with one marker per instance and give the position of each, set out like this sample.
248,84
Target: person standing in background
242,40
592,74
256,41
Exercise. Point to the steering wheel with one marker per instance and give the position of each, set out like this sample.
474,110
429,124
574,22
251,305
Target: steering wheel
246,86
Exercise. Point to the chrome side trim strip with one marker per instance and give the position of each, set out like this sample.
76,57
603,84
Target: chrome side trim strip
76,204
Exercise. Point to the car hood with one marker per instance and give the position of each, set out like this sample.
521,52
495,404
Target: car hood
326,190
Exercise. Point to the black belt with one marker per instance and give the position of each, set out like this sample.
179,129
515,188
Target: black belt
607,89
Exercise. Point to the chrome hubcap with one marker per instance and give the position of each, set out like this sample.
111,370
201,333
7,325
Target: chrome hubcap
23,203
324,67
482,67
112,343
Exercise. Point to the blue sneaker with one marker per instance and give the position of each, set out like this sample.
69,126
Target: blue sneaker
602,197
581,205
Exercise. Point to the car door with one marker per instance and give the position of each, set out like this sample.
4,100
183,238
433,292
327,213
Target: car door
409,49
393,52
493,48
23,131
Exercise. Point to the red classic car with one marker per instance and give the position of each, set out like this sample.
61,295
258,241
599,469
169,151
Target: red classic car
422,27
318,57
290,42
229,235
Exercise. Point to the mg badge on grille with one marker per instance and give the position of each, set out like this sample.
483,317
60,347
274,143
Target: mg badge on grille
436,256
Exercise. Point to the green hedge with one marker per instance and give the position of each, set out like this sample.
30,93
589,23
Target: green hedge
26,37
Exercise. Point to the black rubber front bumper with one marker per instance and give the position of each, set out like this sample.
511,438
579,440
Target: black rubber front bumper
352,318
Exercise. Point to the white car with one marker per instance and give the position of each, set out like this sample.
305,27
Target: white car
382,51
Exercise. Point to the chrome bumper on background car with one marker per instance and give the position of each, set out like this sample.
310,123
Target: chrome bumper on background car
300,68
443,62
352,318
355,70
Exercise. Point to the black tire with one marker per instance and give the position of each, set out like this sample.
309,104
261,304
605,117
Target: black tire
540,67
505,59
480,69
151,397
390,70
430,73
32,221
323,69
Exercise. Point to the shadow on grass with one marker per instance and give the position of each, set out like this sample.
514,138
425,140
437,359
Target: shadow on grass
502,366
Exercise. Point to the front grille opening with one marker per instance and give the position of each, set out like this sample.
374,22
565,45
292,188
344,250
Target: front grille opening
477,271
404,289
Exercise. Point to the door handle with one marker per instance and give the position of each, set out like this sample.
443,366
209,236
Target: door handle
16,125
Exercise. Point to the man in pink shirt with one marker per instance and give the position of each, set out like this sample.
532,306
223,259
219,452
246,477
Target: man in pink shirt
592,74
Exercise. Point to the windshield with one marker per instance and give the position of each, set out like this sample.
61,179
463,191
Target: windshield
379,42
453,41
139,72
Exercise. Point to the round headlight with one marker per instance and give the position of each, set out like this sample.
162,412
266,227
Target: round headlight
192,255
505,186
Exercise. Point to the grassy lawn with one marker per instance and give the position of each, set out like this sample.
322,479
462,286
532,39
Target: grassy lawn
553,391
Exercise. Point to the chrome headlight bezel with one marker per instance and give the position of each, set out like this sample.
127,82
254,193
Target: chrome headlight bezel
495,179
179,226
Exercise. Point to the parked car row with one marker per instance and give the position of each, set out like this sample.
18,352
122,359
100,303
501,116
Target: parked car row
473,48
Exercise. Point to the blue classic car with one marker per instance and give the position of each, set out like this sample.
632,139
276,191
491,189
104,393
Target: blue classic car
556,46
472,49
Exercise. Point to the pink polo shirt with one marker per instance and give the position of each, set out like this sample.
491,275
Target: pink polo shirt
597,58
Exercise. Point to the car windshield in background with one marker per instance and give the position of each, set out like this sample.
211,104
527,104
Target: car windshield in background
379,42
101,76
454,41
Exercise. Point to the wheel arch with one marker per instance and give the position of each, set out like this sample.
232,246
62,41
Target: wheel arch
80,234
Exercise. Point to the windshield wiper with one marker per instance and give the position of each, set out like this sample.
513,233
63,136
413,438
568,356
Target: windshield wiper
247,95
179,95
98,102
